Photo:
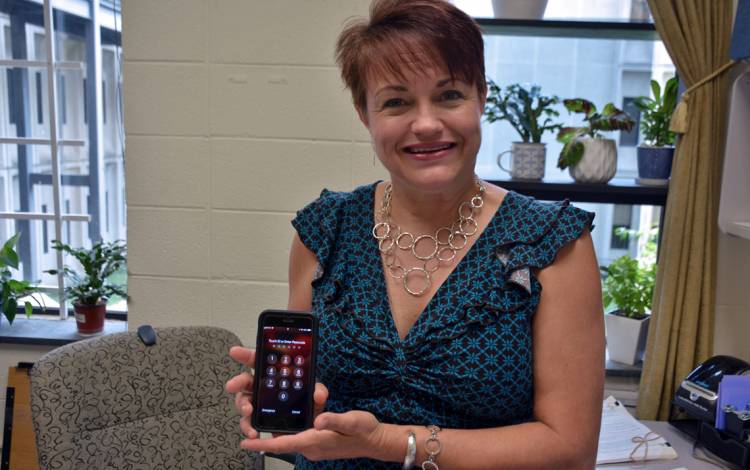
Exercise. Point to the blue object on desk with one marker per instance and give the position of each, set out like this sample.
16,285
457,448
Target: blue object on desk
734,390
740,48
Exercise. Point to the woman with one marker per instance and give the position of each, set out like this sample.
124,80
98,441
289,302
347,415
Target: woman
454,315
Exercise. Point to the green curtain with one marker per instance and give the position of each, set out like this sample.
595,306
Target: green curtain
696,34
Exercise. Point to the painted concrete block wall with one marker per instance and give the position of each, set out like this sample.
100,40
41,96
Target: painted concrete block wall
235,118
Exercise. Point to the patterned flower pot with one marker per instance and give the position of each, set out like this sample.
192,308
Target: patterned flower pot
599,162
90,318
526,161
626,337
519,9
654,163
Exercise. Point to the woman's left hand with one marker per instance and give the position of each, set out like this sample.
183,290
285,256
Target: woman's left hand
334,436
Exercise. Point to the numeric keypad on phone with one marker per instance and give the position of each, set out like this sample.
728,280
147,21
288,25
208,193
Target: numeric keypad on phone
279,371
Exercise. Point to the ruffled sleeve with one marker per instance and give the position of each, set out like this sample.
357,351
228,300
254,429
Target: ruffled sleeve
548,228
318,225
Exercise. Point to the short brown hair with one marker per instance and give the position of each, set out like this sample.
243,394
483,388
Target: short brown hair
415,34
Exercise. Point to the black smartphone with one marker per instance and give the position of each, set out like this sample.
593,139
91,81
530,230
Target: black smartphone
284,383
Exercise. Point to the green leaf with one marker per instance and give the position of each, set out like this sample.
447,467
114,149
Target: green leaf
28,308
8,255
9,309
656,90
571,154
580,105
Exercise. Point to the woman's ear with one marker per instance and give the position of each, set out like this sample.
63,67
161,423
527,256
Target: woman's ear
363,117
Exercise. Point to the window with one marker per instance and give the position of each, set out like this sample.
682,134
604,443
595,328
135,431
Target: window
28,168
571,65
621,220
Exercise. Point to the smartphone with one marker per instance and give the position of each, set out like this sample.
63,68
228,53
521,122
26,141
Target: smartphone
285,355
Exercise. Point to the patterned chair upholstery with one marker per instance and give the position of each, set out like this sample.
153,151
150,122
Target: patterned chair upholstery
112,402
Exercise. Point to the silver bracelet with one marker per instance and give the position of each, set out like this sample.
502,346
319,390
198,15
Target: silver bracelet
433,447
411,451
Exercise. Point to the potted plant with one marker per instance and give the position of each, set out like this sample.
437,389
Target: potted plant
627,293
655,156
92,288
531,114
590,157
13,290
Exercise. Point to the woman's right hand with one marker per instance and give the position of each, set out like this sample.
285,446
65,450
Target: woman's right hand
242,387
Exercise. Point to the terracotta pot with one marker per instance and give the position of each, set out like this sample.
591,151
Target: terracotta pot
90,318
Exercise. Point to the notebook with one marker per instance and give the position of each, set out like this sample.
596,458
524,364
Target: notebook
616,438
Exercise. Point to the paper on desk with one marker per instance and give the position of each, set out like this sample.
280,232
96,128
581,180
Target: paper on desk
616,437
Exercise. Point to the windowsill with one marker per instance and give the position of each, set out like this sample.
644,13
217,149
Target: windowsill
618,369
50,331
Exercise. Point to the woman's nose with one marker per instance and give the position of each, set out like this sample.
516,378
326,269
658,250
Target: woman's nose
426,122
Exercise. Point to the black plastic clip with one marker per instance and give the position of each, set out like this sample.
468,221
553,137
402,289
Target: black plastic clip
147,334
737,422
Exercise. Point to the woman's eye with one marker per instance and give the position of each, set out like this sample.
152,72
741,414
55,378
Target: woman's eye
452,95
393,103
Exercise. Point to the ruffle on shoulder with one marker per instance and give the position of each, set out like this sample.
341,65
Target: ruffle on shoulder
534,241
318,225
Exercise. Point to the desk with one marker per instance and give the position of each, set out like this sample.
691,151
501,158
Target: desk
682,445
19,442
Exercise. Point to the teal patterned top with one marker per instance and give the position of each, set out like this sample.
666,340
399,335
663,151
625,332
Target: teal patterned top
467,361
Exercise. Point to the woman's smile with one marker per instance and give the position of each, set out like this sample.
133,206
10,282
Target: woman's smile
430,151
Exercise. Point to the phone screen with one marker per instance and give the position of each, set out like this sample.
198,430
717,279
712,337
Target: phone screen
285,373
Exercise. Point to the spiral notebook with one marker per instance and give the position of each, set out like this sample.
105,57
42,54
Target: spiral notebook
621,435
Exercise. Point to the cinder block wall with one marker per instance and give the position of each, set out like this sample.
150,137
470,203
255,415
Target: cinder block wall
235,118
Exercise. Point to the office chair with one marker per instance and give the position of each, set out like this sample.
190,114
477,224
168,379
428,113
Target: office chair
114,402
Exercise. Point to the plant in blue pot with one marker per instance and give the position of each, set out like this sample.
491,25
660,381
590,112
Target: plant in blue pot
655,154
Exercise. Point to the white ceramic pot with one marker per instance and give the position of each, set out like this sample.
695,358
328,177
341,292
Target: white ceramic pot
519,9
626,338
599,162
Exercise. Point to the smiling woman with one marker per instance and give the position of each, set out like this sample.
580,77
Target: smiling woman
460,324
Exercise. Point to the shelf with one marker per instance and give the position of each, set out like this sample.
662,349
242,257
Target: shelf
739,229
617,191
570,29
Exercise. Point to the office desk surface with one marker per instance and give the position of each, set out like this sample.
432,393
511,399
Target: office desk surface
682,445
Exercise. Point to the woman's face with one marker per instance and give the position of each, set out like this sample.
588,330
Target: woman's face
426,129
